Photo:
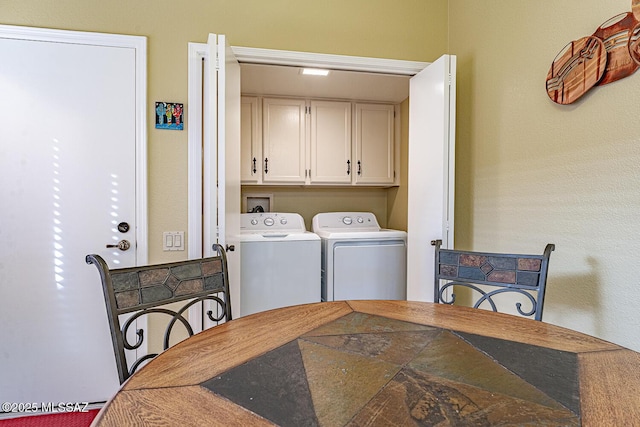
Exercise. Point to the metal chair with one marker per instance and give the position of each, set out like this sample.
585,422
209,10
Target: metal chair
144,289
492,274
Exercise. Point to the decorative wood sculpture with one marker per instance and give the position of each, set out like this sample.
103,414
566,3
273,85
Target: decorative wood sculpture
615,35
610,54
576,69
634,34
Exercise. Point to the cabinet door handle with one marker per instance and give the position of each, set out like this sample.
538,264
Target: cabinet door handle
266,165
254,165
348,167
359,168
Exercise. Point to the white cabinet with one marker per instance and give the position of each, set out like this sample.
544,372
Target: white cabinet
330,143
284,130
250,140
374,144
317,142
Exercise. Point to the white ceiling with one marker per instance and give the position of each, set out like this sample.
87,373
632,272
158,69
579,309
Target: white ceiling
259,79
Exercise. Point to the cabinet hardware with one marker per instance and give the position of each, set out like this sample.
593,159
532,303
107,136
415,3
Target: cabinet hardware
348,167
266,165
359,168
254,165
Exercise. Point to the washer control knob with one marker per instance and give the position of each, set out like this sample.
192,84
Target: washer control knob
283,221
254,221
347,220
360,220
269,222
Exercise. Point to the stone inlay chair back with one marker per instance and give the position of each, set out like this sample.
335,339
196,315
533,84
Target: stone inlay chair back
144,289
492,274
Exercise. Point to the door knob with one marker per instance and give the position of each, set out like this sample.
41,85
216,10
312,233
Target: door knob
123,245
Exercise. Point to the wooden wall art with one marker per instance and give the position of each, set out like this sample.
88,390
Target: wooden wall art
610,54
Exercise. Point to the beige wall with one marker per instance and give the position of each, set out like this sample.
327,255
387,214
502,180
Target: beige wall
528,171
407,29
531,172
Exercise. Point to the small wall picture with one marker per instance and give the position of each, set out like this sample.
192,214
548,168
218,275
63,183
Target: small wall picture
169,116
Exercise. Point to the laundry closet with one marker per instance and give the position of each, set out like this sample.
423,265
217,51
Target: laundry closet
320,143
297,155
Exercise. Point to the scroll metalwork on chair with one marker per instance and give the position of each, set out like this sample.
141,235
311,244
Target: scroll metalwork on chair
144,289
493,274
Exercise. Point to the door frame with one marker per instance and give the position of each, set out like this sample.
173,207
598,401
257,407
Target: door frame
199,51
322,60
197,132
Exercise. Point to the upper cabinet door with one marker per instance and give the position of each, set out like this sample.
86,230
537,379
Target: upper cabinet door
373,149
250,141
284,136
330,142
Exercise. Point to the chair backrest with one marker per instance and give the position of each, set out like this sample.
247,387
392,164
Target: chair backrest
491,274
144,289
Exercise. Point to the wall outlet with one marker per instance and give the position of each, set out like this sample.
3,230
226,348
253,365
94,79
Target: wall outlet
173,241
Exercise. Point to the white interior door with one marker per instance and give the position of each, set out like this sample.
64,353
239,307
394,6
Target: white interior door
222,159
432,106
72,167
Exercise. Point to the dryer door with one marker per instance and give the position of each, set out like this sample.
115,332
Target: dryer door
369,270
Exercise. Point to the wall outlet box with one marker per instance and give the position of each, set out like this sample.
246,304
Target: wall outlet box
173,241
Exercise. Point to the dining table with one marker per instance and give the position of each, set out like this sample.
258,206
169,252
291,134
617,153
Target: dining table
383,363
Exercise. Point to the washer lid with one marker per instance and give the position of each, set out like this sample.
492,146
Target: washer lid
345,222
274,236
271,223
382,234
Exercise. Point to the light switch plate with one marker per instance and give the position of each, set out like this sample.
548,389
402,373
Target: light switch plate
173,241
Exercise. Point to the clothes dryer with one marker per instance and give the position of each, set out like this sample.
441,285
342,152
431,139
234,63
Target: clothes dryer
279,261
360,260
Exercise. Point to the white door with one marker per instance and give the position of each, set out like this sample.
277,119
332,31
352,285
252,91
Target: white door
72,168
432,107
222,159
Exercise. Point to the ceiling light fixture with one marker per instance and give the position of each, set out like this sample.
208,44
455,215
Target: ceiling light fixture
315,72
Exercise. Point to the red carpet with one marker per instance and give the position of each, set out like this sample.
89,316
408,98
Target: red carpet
65,419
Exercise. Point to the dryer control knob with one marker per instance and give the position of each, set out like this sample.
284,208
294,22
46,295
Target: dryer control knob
347,220
283,221
360,220
268,222
254,221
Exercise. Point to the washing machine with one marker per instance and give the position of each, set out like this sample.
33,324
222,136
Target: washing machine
279,261
360,260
